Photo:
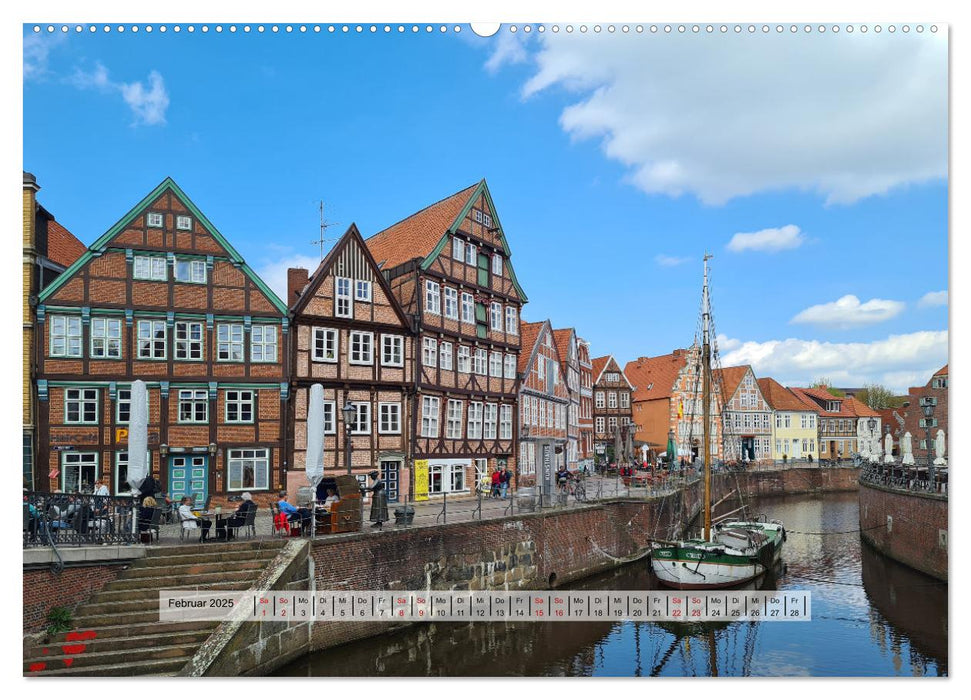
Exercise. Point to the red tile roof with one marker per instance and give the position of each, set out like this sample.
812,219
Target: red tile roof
942,370
824,396
562,339
598,366
859,408
417,235
730,378
781,399
63,247
654,377
528,334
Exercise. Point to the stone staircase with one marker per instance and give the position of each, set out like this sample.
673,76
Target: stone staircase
117,631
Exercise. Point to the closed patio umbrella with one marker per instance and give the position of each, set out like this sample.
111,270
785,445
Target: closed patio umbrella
137,443
314,466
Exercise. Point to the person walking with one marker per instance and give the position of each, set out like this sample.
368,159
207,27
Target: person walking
496,483
504,484
379,499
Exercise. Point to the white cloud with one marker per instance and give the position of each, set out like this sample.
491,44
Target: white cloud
148,104
770,240
509,49
37,49
897,361
933,299
848,312
274,272
720,116
669,260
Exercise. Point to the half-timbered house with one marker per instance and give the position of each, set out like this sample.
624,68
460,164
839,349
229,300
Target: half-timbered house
566,347
449,265
746,415
586,404
611,403
164,297
351,336
544,404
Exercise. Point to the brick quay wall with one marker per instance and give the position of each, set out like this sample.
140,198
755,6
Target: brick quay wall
911,528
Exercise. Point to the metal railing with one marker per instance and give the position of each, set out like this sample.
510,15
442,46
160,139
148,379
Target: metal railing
77,519
914,478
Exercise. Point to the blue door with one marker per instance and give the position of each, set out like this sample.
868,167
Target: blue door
189,476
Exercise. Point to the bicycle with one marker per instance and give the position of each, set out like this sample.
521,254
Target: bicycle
579,490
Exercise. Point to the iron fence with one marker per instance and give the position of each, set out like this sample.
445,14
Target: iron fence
919,477
78,519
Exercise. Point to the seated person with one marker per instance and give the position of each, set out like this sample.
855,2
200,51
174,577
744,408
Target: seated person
294,514
145,513
330,500
190,521
238,518
562,475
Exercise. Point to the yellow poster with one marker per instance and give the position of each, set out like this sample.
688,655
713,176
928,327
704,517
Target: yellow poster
421,479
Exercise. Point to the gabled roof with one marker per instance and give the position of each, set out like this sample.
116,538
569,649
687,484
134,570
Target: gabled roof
601,363
168,184
942,370
781,399
315,280
423,235
822,396
730,378
417,236
562,338
528,335
63,247
859,408
654,377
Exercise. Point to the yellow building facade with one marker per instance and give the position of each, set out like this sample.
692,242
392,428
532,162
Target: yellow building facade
795,426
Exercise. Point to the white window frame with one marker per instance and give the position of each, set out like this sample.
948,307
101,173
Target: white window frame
237,457
471,254
195,397
391,346
453,419
509,366
495,364
468,308
611,399
445,355
599,399
474,430
429,352
625,399
464,359
195,271
183,222
343,302
601,425
389,418
226,342
495,316
362,290
330,417
497,264
121,401
433,298
325,344
430,409
490,422
153,325
362,417
70,336
480,362
259,337
155,219
237,398
364,353
458,249
505,422
78,460
451,296
83,399
153,268
107,330
192,350
512,320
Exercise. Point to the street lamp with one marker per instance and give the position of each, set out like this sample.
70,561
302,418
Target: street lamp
671,448
349,413
928,409
872,424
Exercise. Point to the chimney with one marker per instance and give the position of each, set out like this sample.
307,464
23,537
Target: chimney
297,278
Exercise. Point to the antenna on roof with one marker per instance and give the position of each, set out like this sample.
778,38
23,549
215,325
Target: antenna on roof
324,225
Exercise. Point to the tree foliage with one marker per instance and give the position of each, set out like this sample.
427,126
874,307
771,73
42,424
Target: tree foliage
827,384
879,397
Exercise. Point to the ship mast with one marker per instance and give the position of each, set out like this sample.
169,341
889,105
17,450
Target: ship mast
706,395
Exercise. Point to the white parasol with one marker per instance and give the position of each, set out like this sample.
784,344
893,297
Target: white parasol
138,436
314,466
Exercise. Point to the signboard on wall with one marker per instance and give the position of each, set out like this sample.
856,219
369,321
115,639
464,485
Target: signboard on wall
421,479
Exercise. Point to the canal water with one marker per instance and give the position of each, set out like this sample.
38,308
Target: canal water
870,617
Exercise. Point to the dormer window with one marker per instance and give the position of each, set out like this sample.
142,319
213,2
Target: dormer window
833,406
183,223
154,219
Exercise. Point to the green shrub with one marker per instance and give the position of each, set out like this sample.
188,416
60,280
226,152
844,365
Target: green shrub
58,620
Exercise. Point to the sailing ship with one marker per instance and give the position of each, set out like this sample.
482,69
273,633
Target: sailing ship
734,551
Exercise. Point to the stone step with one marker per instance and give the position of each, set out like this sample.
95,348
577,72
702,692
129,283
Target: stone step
207,557
164,573
120,607
93,622
141,668
132,632
151,638
211,548
244,578
134,655
142,593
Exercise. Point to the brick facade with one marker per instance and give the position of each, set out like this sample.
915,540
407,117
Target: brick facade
44,590
544,404
935,390
612,403
586,402
163,297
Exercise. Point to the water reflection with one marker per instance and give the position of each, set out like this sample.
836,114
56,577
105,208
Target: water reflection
871,617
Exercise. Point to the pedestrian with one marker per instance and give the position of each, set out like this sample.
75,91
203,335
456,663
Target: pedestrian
149,487
379,499
504,485
496,483
100,488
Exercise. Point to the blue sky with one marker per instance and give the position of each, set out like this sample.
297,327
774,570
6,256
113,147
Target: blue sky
813,168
